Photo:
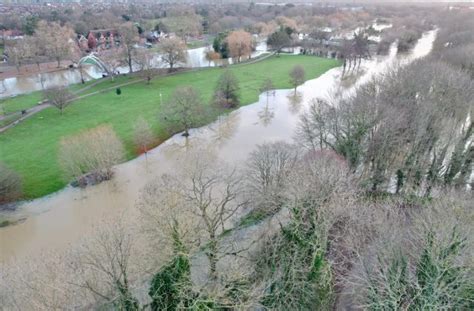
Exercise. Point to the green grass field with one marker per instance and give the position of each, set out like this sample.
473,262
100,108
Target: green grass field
31,148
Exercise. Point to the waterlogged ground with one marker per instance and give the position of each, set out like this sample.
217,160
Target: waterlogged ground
58,221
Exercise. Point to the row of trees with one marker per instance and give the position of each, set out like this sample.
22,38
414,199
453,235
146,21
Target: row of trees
398,135
50,41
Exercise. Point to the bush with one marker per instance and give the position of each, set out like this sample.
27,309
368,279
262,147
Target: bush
88,157
10,185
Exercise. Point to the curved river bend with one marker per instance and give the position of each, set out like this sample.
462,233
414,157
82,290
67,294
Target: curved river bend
57,221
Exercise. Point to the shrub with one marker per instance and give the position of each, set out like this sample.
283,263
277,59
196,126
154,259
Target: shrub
10,185
88,157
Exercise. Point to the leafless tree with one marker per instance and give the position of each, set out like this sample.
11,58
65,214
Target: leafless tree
183,111
213,194
145,60
128,39
59,40
240,44
10,184
91,154
267,174
174,51
168,221
420,260
19,52
113,60
60,97
297,76
143,135
388,134
104,268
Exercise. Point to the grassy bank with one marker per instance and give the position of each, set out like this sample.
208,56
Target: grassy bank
31,148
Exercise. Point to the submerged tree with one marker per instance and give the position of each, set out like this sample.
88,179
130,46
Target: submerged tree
10,185
143,136
128,40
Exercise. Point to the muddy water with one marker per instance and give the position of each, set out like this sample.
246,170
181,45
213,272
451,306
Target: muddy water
56,221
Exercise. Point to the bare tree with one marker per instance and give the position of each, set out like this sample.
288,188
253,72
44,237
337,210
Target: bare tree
88,157
174,51
183,110
411,264
113,60
145,60
59,40
240,44
213,194
19,52
128,39
103,263
268,170
10,185
59,97
312,130
297,76
168,221
38,49
143,136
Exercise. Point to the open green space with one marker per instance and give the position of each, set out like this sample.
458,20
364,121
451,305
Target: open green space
31,148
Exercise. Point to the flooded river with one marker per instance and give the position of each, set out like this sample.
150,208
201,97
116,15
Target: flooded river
61,219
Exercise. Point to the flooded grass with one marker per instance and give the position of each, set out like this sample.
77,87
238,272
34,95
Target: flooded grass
31,148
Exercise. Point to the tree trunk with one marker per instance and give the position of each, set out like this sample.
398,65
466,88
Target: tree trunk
130,61
82,74
212,256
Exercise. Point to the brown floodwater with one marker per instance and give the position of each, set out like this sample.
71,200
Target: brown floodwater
59,220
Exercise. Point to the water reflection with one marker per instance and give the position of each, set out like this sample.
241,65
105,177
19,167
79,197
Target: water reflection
294,101
56,221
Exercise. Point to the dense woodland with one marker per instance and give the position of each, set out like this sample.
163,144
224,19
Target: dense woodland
370,207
